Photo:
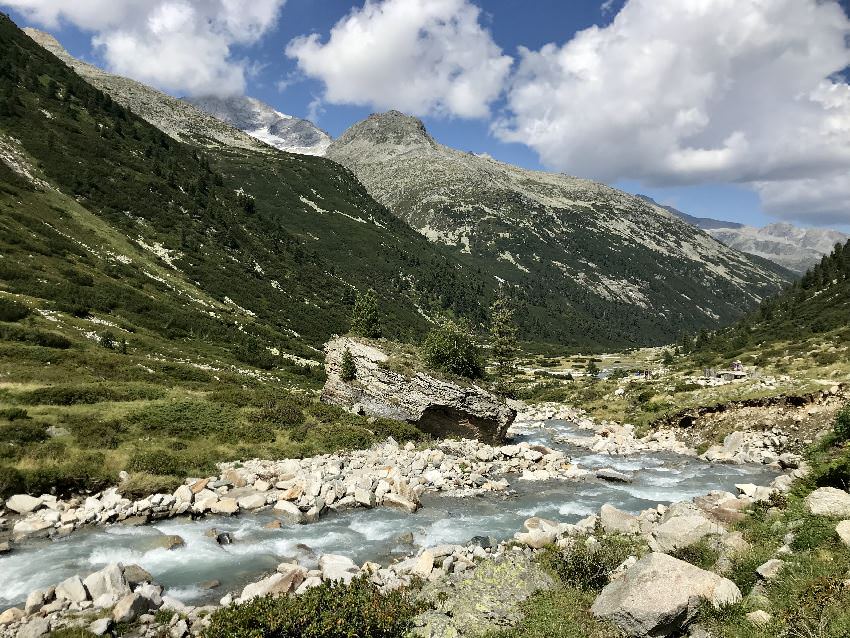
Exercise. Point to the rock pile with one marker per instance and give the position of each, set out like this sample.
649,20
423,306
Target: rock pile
115,595
300,491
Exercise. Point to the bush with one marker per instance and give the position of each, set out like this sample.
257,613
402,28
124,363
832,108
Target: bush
399,430
186,419
11,481
286,411
341,436
701,554
90,432
589,567
160,462
325,413
450,348
88,394
34,337
841,427
141,485
86,471
330,610
12,414
12,311
23,432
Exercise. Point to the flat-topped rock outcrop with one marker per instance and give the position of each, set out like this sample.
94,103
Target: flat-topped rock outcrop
436,406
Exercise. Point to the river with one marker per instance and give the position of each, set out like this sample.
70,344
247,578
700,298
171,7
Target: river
364,534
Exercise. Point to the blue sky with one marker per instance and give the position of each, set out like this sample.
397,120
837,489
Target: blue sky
539,115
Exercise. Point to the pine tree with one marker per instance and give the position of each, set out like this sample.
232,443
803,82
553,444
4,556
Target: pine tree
365,319
348,370
503,338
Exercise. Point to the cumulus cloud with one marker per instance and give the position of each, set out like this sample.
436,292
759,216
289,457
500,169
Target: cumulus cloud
184,46
420,56
678,92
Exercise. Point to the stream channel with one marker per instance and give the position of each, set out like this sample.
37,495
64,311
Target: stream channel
365,534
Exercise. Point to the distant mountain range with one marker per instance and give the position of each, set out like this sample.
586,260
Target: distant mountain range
792,247
262,121
237,122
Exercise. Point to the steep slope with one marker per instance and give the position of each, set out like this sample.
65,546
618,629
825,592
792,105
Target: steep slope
263,250
262,121
811,312
585,259
180,120
792,247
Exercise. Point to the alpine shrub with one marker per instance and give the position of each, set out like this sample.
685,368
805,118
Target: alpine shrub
450,348
330,610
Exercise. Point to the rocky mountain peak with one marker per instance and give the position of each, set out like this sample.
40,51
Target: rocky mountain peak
46,40
390,129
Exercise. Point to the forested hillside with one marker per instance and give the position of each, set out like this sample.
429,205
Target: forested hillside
253,250
813,310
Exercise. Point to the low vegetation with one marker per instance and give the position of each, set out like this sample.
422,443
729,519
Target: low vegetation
78,437
331,610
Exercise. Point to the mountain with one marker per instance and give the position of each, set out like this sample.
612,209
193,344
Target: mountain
198,248
798,249
792,247
262,121
178,119
706,223
582,258
796,323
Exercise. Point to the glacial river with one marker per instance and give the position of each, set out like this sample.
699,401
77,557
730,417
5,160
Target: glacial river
364,534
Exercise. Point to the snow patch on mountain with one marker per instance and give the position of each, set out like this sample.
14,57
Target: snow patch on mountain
265,123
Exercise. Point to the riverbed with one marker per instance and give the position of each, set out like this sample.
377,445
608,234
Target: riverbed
379,534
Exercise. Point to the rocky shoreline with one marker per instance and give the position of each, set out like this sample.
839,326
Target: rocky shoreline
127,593
300,491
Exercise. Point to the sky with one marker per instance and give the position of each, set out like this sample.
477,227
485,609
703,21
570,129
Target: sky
732,109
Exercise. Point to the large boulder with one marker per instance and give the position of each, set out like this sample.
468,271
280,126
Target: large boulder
683,531
439,407
659,595
24,503
829,501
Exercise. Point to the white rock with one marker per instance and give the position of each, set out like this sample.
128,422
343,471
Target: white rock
71,589
335,567
23,503
829,501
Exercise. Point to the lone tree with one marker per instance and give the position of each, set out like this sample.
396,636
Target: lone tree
348,370
451,348
364,319
503,338
592,369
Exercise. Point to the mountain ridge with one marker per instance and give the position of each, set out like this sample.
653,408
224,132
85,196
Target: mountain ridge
783,243
265,123
563,241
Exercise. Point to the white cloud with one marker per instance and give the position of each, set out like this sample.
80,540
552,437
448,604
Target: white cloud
184,46
419,56
676,92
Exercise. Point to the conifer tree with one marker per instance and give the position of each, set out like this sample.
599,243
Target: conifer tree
348,369
503,338
365,319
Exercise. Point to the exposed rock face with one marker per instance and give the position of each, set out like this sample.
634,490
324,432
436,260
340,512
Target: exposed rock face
660,594
438,407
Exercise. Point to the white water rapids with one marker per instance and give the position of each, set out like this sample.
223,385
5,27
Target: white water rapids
363,534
